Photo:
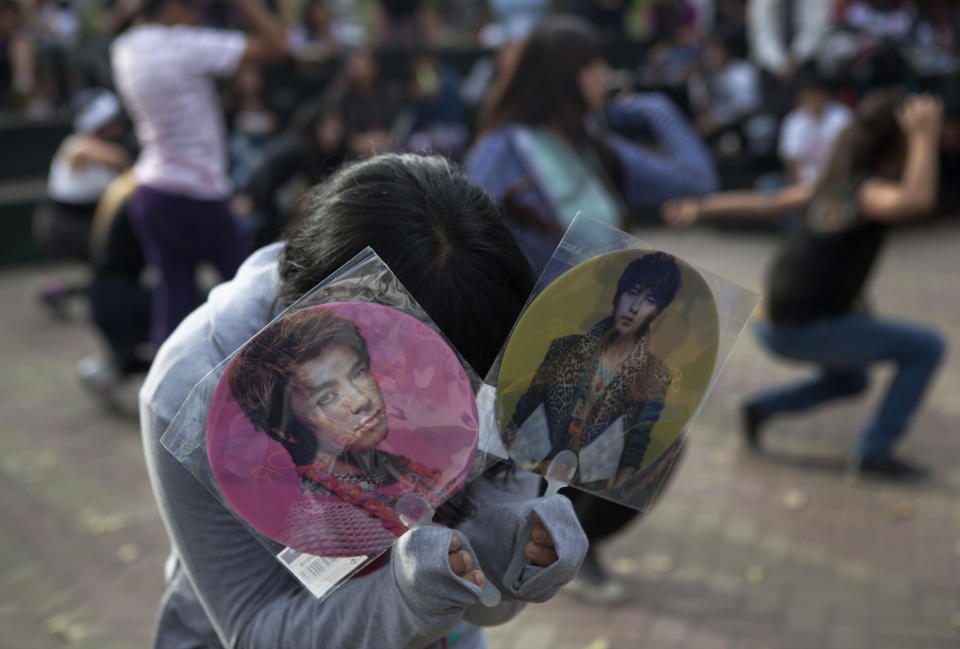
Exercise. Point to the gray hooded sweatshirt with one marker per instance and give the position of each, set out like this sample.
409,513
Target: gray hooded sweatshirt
225,589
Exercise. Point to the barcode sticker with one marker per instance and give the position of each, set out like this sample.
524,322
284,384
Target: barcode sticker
318,574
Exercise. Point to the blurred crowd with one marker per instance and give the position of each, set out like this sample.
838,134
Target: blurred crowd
739,53
763,84
411,75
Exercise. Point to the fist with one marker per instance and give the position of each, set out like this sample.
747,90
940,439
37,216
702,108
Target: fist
681,212
921,114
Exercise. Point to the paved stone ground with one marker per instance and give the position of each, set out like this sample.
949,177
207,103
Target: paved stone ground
776,551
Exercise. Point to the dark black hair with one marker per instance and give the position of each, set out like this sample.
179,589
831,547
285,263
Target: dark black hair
724,40
951,100
319,161
656,271
11,6
542,88
150,8
808,78
873,138
438,232
306,13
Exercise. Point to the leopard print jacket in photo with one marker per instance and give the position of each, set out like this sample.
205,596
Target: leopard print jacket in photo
636,392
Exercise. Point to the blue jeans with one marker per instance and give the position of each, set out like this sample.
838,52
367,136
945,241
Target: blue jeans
844,347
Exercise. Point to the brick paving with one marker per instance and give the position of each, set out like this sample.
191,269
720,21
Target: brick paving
771,551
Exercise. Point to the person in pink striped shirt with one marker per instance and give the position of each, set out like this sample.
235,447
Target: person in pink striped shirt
164,69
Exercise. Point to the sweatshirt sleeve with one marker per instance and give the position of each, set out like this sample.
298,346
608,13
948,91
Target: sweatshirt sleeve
682,167
499,535
491,165
252,602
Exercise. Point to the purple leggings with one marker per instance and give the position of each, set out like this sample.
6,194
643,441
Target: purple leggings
177,233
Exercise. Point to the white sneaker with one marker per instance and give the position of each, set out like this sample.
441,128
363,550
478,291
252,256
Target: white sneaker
100,378
593,584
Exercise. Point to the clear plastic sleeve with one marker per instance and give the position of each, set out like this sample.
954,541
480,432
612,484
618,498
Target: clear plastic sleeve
609,363
340,425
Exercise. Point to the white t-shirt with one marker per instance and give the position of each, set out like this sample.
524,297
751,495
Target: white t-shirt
810,141
81,184
164,76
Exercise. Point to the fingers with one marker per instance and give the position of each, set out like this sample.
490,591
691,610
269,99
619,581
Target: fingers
670,212
540,550
679,212
926,103
461,562
539,554
476,577
902,114
541,536
920,113
932,109
921,106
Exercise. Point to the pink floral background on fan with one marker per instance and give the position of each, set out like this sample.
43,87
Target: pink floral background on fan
431,420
